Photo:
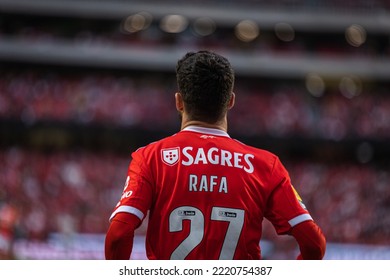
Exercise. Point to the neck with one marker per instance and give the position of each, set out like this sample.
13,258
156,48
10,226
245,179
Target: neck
221,125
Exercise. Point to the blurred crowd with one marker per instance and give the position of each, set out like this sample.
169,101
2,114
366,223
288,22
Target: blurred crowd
145,31
64,192
69,192
349,201
74,190
99,99
277,110
46,188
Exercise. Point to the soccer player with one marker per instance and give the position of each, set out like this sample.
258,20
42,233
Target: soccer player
206,193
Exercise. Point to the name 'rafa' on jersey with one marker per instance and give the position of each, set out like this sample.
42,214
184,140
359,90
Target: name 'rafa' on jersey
204,183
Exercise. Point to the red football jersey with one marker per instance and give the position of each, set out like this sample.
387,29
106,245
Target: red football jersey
207,195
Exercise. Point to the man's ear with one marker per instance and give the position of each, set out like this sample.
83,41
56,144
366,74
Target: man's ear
232,101
179,102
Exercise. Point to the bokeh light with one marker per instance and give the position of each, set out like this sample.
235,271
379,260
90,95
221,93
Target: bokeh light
247,30
350,86
355,35
174,23
204,26
285,32
137,22
315,84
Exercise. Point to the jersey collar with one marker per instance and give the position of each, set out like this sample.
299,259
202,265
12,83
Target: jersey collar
206,130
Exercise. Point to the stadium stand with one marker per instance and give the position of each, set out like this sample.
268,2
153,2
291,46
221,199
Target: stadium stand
79,88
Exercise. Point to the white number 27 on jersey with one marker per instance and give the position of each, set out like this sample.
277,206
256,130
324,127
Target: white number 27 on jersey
235,218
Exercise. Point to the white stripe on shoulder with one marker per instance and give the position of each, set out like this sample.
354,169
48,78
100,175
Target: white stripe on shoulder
128,209
299,219
206,130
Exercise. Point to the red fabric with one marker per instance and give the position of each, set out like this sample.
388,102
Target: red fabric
119,238
311,241
208,193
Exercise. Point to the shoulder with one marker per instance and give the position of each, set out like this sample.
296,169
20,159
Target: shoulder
264,161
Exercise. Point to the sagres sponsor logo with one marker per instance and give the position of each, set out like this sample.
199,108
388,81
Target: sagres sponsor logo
170,156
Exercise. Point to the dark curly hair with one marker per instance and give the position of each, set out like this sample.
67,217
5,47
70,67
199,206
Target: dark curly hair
205,80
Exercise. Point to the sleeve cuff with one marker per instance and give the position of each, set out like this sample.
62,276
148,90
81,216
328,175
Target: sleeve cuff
299,219
128,209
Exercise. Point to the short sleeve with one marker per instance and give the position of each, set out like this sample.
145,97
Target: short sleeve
285,208
137,193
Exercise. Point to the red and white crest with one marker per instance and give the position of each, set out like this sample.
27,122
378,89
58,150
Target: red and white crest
170,156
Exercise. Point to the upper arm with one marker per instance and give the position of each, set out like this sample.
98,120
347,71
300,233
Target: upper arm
284,206
137,194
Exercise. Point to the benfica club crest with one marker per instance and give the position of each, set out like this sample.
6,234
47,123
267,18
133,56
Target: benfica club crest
170,156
